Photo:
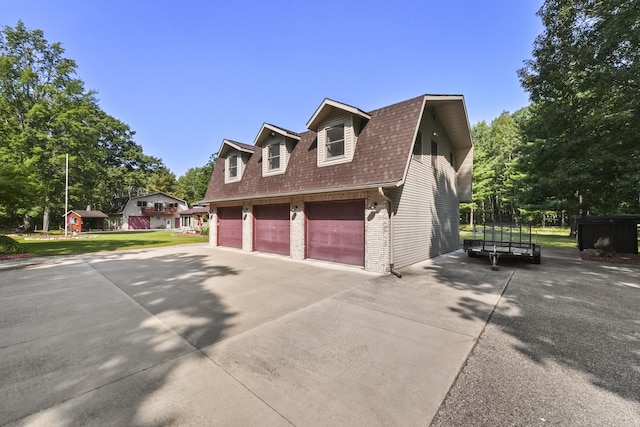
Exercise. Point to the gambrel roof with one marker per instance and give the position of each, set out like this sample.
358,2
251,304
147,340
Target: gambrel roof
381,157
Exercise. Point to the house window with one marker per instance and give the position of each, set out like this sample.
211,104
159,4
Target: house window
274,157
233,166
335,141
157,206
417,146
142,203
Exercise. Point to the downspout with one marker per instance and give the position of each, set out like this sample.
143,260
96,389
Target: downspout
391,216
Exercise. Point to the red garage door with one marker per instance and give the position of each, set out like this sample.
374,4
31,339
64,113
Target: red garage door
230,227
335,231
271,228
139,223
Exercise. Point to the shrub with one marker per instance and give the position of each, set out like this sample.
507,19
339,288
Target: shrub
604,247
10,246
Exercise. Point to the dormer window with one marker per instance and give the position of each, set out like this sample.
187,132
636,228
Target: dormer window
277,145
235,155
337,126
233,166
274,157
335,141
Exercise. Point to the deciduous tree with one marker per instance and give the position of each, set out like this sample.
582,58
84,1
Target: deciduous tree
583,80
193,184
45,114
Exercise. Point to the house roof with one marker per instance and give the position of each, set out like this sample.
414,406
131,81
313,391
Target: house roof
153,194
228,144
268,130
195,210
88,214
327,107
381,157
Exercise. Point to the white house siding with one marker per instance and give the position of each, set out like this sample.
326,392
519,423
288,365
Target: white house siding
465,169
155,221
426,206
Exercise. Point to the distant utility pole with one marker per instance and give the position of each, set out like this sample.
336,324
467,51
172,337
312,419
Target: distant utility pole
66,193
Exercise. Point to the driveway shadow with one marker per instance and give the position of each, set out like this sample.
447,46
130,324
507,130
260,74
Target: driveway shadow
88,349
176,288
580,314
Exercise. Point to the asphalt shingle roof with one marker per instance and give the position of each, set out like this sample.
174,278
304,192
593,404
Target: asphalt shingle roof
380,159
90,214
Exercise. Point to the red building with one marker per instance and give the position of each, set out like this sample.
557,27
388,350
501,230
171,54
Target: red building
85,220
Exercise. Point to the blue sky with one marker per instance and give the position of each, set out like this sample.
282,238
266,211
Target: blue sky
186,74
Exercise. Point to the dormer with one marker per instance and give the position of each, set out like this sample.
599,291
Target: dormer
276,144
235,155
337,126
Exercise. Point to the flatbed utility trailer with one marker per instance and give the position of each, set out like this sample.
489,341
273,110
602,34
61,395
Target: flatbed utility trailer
504,240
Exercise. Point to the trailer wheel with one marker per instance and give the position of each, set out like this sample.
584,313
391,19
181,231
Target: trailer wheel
537,256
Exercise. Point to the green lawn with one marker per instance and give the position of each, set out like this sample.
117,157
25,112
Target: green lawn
555,237
104,241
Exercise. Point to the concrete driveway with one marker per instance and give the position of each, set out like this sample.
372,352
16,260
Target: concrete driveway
193,335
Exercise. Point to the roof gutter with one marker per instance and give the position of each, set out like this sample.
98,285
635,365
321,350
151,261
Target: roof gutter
304,193
391,217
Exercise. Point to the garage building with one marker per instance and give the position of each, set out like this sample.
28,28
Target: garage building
379,189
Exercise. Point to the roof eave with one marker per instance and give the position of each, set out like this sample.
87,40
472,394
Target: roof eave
271,130
234,145
328,105
391,184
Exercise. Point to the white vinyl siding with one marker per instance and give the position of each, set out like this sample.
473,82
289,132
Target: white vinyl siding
464,158
426,223
134,207
350,140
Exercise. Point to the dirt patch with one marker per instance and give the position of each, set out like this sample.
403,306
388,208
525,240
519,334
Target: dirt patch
592,255
4,257
70,237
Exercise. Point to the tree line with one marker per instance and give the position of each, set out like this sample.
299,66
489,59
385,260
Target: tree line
46,114
573,150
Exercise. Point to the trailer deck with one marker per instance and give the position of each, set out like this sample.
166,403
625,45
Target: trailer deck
504,240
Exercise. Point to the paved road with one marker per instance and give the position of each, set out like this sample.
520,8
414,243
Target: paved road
561,349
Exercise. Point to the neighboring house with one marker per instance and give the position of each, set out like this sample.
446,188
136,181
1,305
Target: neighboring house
195,218
153,211
85,220
378,189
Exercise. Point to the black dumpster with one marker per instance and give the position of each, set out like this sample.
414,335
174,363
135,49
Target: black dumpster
622,232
